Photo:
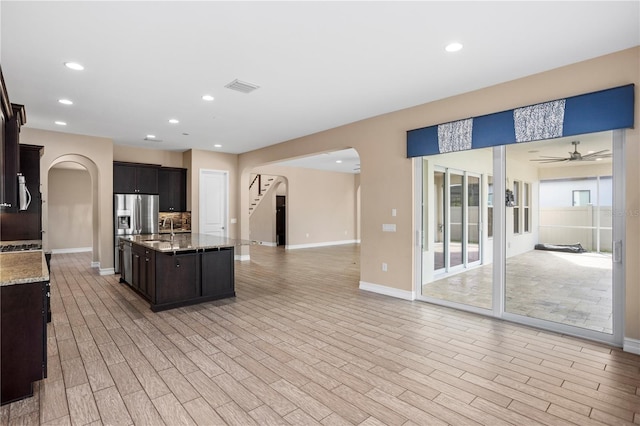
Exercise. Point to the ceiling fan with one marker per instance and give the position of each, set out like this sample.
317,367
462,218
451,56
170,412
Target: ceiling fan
576,156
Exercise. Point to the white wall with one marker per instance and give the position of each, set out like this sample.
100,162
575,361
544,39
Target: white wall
559,192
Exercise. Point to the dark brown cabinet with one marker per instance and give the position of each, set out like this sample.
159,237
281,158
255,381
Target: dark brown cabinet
26,224
177,278
171,279
217,272
13,119
23,323
133,178
143,270
172,189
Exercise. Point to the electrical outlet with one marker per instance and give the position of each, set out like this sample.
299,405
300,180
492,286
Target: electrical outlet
384,267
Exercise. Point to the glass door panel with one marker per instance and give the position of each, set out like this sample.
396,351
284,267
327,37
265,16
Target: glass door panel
473,219
456,218
439,222
453,206
570,282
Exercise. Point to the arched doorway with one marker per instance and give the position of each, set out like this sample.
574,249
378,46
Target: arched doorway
72,208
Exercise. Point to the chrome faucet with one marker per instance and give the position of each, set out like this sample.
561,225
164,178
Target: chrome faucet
164,223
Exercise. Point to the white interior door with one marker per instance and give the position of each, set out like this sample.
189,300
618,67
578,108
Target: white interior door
214,202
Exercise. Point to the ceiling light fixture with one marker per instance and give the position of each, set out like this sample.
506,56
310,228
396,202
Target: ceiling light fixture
338,161
74,66
65,101
453,47
60,123
173,121
150,137
217,145
207,98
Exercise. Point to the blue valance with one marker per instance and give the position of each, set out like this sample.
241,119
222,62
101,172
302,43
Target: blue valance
609,109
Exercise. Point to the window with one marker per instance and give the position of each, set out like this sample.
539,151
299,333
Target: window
581,197
516,207
526,203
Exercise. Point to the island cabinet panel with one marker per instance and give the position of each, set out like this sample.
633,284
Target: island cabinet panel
143,270
218,273
23,324
177,279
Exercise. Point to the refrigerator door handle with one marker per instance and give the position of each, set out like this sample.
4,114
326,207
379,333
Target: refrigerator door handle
139,214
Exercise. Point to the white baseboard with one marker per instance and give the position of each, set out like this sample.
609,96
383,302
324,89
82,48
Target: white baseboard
631,346
388,291
242,257
95,264
267,243
71,250
107,271
325,244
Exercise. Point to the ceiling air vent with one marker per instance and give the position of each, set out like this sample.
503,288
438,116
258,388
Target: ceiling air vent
241,86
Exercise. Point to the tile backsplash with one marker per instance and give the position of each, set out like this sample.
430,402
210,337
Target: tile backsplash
181,221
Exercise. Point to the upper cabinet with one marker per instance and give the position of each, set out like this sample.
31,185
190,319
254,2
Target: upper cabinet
13,117
172,189
133,178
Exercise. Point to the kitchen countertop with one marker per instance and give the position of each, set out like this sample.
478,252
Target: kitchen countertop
23,267
183,242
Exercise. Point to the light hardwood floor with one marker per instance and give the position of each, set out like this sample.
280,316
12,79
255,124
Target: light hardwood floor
300,344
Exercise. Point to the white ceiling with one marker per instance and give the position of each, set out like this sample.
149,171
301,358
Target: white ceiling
318,64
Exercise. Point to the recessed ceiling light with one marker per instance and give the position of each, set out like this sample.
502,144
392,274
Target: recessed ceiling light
151,136
207,98
453,47
598,159
74,66
60,123
65,101
338,161
217,145
590,152
174,121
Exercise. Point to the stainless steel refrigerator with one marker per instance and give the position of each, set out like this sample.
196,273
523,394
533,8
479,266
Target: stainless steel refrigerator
134,214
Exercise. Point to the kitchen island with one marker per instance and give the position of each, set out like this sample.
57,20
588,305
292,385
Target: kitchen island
179,270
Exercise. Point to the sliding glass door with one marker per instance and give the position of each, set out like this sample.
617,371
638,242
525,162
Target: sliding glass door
512,234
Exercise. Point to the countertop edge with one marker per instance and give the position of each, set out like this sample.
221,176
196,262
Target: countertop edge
35,278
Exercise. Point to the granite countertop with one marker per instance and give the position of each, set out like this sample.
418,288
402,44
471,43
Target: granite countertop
183,242
23,267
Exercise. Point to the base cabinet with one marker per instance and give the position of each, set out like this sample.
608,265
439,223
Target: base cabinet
143,270
217,272
23,328
177,278
169,280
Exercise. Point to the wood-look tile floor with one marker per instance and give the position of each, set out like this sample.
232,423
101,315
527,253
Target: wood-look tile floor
300,344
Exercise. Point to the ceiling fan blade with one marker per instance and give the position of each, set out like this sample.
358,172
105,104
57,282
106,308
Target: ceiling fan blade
551,160
598,154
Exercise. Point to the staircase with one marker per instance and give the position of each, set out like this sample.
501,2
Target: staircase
259,186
